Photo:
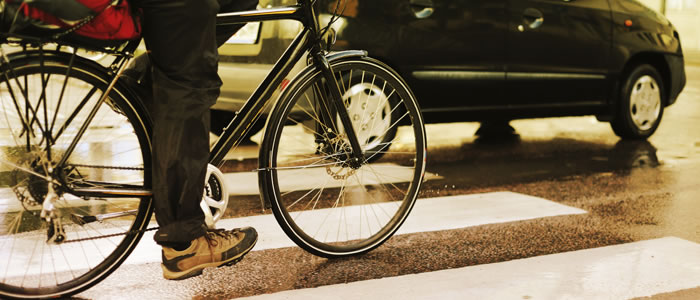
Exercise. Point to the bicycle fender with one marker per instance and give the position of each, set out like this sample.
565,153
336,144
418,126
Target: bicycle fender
346,54
31,56
54,56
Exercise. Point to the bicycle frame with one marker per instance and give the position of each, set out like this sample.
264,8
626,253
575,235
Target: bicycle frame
307,39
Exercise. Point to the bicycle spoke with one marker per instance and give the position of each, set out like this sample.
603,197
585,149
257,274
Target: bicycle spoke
321,161
367,96
17,108
74,114
46,132
60,110
23,91
355,207
81,131
381,178
384,101
378,203
34,110
67,261
316,118
63,89
330,211
316,197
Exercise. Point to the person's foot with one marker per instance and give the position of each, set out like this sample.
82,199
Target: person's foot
216,248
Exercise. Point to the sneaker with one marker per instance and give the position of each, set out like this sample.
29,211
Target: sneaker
216,248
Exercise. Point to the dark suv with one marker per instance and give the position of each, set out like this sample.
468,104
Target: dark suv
486,60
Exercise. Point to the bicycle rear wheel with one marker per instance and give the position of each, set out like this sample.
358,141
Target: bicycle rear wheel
44,99
324,204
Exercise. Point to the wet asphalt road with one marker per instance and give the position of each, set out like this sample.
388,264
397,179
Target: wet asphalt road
632,191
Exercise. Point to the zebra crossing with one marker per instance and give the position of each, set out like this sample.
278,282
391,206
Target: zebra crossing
432,214
638,269
624,271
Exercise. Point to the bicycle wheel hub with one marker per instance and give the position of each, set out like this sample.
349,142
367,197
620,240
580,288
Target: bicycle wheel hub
338,150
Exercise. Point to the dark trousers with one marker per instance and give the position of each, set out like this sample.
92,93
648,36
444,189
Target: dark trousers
182,40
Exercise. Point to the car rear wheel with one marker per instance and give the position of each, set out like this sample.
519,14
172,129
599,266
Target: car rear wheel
641,104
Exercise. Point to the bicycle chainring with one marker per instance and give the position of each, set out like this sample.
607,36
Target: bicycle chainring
215,199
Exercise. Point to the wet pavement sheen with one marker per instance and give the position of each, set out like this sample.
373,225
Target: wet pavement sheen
631,191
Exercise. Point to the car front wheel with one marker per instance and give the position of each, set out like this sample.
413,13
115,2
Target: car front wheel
641,104
373,111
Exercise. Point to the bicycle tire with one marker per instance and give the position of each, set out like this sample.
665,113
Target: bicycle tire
304,174
118,136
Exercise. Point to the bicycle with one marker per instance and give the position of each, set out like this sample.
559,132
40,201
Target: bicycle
75,178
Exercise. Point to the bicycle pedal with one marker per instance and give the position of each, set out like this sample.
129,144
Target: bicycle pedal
82,220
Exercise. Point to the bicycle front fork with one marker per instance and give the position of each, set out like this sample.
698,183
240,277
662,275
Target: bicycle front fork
337,107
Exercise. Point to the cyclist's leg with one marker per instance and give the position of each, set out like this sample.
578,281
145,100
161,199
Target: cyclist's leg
180,36
138,71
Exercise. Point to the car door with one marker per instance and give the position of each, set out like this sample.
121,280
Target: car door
452,52
558,52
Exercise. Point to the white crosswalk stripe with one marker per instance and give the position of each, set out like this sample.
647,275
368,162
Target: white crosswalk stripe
615,272
624,271
433,214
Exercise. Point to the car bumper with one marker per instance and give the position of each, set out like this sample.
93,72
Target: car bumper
676,66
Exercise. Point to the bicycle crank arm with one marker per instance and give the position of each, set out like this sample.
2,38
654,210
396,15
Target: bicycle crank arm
82,220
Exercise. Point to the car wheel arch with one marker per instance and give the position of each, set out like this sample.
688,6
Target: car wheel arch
657,61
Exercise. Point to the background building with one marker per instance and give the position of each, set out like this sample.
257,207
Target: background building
685,15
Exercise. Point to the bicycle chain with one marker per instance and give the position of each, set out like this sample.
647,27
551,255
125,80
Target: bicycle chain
24,199
109,235
114,234
107,167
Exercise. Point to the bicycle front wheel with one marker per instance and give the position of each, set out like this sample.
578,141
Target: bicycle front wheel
44,101
325,204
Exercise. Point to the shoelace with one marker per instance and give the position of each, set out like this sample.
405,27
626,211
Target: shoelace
211,235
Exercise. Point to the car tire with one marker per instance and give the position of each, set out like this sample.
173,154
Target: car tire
641,104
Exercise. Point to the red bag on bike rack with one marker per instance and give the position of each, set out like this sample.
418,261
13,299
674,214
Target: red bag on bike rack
97,19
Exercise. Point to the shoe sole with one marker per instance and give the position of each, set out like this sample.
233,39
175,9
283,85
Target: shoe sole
197,270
